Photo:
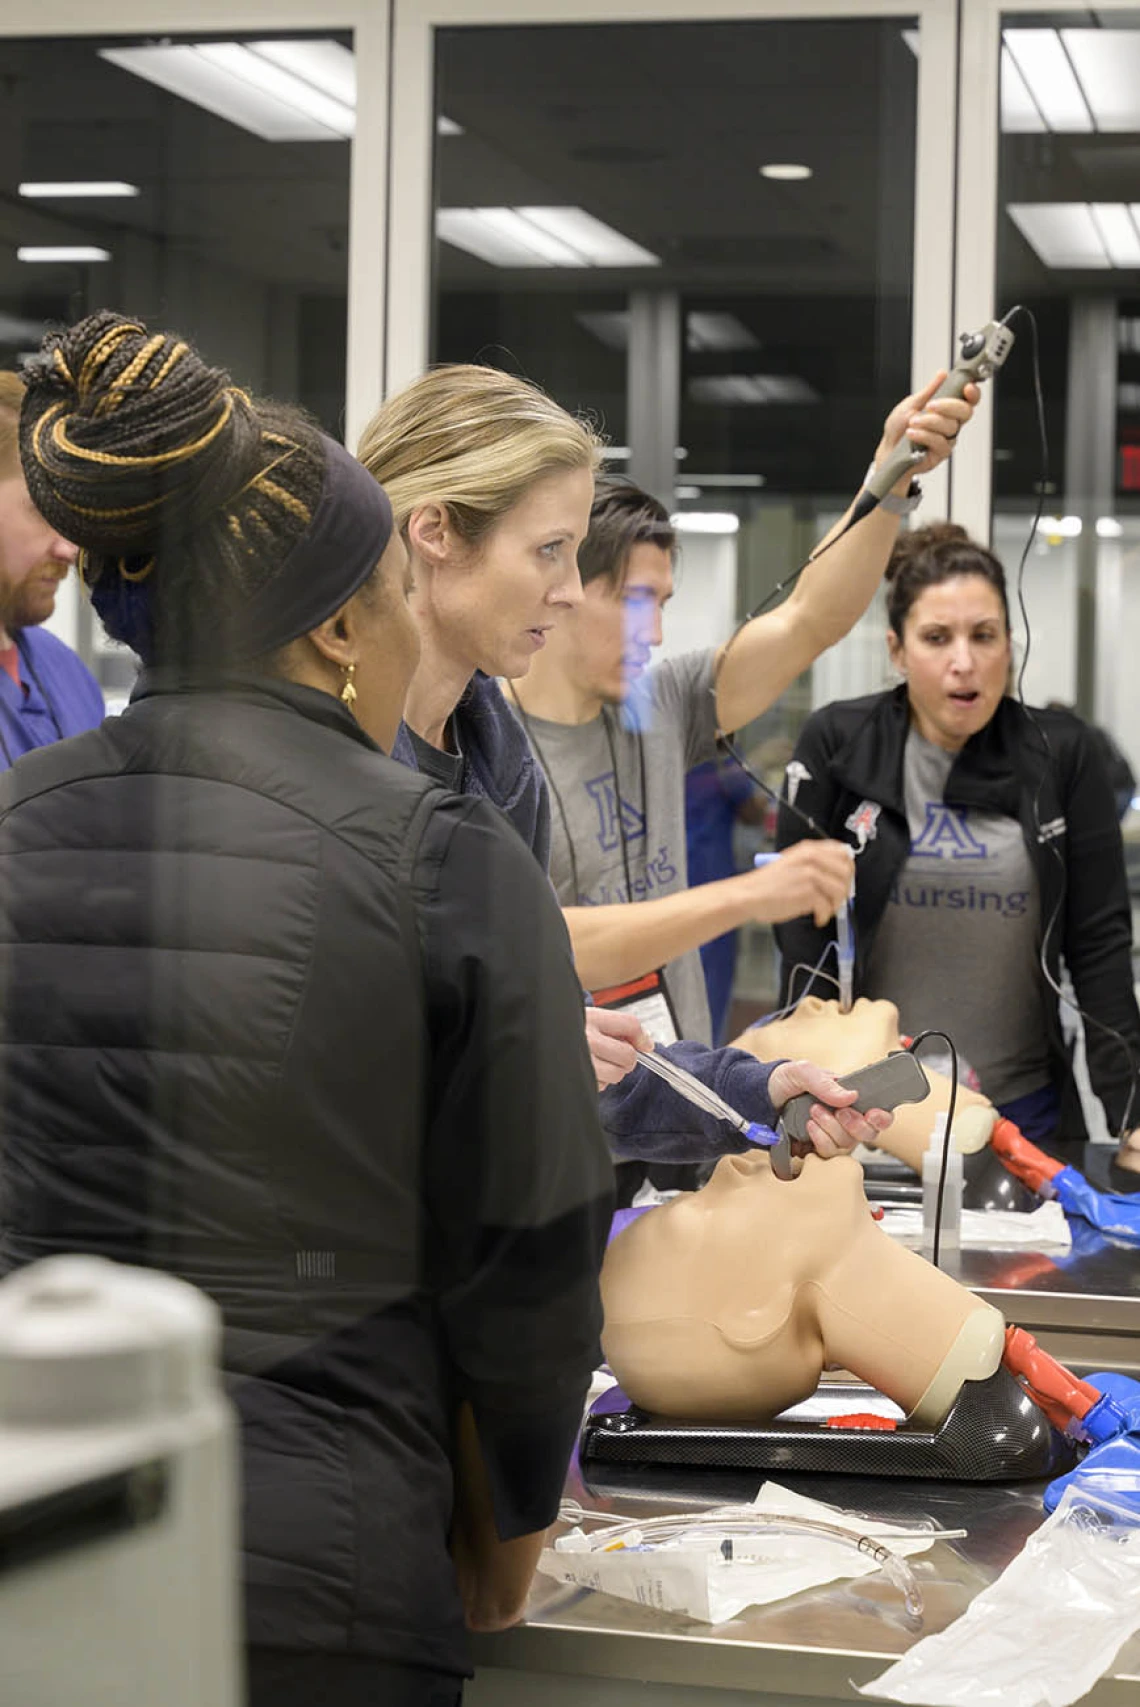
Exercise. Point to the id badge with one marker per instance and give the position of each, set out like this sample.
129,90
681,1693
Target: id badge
648,999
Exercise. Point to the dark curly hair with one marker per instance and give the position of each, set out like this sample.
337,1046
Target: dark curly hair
183,493
925,557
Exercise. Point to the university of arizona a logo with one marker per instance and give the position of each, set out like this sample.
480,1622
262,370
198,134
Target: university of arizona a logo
608,803
946,835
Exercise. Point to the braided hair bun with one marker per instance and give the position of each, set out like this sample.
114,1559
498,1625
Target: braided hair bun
182,492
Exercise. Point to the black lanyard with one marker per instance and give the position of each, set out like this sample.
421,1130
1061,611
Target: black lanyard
554,789
43,693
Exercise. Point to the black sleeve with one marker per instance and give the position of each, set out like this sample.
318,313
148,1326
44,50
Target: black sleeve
518,1178
1097,928
801,941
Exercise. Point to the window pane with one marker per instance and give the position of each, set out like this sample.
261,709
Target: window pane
770,312
220,210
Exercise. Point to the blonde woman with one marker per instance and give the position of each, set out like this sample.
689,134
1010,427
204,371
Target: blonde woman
491,483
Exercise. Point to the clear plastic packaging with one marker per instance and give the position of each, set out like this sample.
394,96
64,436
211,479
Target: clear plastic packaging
1047,1629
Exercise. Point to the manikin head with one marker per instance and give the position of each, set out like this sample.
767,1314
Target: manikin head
34,558
949,631
819,1031
726,1304
491,483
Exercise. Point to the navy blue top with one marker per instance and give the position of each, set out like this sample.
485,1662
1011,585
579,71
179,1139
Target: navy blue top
59,696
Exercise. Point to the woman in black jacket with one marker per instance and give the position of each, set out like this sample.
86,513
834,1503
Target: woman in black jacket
285,1019
986,843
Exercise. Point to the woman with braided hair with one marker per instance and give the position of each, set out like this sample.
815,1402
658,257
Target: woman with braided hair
284,1018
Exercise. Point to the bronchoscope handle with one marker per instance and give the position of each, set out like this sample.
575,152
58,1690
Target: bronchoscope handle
980,356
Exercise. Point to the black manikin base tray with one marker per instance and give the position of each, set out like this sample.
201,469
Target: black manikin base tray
992,1433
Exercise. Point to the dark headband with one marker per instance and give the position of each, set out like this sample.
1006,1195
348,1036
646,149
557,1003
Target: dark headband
333,558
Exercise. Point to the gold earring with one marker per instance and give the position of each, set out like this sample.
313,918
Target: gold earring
348,691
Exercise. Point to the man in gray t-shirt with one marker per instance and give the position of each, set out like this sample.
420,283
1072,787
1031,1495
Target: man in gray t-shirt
616,738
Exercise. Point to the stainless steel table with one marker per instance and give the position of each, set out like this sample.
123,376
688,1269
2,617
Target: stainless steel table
580,1647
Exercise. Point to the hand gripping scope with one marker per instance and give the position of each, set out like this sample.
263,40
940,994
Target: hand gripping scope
981,354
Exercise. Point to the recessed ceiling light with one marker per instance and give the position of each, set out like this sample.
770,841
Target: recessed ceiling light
447,127
259,86
82,187
538,237
785,171
62,252
1080,234
705,521
755,389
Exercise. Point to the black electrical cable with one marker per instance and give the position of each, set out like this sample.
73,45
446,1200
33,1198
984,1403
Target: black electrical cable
913,1049
1043,482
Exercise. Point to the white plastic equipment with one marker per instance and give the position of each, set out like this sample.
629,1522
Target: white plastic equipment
118,1519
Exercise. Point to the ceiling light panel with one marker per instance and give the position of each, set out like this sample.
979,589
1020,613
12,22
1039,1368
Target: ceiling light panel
713,331
538,237
599,244
81,187
324,65
1061,234
1019,111
1107,64
55,252
705,521
1118,233
243,87
751,389
1048,73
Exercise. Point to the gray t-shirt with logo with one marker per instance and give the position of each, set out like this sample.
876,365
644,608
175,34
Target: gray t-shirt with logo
617,787
957,944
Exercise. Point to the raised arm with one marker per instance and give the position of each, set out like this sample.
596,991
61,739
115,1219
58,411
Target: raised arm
832,594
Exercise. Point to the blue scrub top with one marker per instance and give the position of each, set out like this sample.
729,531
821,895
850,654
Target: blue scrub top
62,697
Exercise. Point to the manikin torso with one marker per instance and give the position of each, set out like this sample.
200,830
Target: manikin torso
726,1304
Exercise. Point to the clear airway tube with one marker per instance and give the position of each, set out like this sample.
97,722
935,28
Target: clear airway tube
727,1523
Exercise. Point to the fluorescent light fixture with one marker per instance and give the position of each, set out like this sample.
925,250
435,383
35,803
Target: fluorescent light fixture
1107,65
705,521
618,453
1048,72
599,243
61,252
538,237
685,494
727,480
1061,234
729,389
785,172
1118,232
610,326
324,65
1128,327
1019,111
1128,397
913,38
705,330
1060,527
448,127
237,83
89,187
1107,527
